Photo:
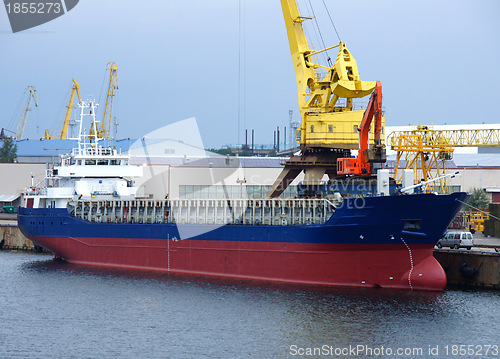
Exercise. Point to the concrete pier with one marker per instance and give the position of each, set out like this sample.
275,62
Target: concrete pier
479,267
11,237
465,268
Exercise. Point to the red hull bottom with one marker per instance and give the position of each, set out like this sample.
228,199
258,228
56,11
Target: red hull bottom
386,266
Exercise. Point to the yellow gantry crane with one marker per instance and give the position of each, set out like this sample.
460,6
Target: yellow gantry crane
64,131
105,129
426,150
24,116
329,123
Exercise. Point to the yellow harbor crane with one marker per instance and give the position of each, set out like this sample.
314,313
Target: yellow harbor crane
329,126
64,131
105,129
24,115
426,150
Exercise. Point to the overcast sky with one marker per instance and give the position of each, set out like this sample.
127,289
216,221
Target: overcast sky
438,62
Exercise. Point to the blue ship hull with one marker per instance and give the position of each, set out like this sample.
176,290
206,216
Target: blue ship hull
371,241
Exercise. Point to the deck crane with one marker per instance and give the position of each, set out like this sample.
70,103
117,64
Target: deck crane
24,116
64,131
330,126
105,129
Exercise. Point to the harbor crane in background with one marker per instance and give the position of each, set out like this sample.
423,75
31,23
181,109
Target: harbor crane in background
104,131
27,108
64,131
18,135
330,124
426,150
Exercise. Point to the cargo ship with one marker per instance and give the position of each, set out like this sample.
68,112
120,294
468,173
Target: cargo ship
87,212
387,242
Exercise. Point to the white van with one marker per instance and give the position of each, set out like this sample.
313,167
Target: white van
456,239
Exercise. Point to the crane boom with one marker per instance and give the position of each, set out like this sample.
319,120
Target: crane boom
325,121
299,48
24,116
105,129
64,131
75,88
427,150
112,86
329,123
479,137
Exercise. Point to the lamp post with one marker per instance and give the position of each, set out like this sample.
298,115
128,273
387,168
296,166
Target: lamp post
241,182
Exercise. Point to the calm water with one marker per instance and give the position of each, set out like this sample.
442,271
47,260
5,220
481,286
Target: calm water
51,309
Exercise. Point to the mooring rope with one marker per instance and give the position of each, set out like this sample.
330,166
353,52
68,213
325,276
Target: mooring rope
477,209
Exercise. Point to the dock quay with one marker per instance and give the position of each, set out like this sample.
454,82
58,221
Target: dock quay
476,268
10,235
479,267
470,268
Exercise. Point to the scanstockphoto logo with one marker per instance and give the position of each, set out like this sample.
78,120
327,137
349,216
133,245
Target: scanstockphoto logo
180,143
27,14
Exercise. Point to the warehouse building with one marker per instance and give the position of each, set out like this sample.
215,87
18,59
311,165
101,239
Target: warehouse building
181,169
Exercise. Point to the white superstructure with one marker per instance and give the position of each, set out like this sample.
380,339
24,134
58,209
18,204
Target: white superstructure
89,171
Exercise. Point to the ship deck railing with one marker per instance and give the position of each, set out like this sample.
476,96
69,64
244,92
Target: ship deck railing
89,149
35,191
206,211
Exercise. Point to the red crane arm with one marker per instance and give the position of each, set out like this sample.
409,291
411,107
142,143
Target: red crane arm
374,110
361,165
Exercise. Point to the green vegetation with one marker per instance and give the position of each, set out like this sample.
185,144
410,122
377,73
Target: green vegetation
245,151
221,151
478,198
8,151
